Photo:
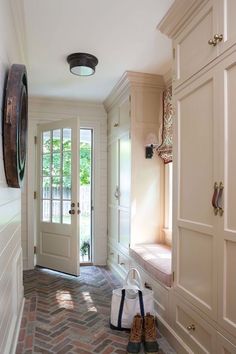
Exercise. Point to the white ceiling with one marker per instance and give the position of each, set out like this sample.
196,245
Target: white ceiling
122,34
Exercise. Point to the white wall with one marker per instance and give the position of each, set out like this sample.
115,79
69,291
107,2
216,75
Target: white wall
91,116
11,288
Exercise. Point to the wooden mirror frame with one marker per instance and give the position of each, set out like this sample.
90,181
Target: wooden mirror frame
15,123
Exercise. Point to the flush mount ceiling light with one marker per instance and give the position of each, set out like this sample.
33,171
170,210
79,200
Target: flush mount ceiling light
82,64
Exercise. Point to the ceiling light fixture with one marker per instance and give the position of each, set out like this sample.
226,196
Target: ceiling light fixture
82,64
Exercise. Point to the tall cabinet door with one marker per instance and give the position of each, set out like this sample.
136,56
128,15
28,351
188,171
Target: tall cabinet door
195,257
113,191
227,237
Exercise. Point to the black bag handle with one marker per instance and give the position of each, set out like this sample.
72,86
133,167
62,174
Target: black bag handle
122,301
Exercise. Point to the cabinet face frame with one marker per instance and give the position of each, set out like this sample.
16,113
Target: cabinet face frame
196,231
227,236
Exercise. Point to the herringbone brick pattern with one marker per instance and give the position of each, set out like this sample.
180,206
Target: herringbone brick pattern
64,314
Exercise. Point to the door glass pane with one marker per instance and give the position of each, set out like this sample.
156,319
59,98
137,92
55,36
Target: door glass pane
46,188
67,163
56,184
46,210
56,188
66,139
46,164
67,187
56,211
56,164
46,142
66,216
56,140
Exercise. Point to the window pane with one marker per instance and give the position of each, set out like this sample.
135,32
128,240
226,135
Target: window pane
66,139
46,210
66,216
56,211
46,142
56,188
56,164
46,187
66,163
67,187
56,140
46,164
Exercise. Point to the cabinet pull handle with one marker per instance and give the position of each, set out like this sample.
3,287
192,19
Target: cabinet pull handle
217,38
215,198
219,201
122,263
191,327
116,125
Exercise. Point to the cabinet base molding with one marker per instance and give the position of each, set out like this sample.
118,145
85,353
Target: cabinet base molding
14,339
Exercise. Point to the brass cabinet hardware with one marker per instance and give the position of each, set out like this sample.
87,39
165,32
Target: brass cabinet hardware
78,204
78,211
219,201
147,286
215,198
122,263
212,42
116,125
217,38
71,212
191,327
72,205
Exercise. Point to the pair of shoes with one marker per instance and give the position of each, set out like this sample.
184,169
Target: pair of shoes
143,329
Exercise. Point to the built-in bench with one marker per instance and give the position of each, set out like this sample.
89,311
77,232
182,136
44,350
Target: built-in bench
155,259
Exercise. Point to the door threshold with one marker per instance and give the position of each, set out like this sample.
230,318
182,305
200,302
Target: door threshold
86,264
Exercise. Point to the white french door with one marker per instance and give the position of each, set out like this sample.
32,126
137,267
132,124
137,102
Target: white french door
58,202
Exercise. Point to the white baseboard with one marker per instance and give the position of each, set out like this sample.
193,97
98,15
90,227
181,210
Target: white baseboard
17,329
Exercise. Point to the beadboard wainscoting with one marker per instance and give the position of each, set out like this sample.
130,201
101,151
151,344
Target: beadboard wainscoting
11,285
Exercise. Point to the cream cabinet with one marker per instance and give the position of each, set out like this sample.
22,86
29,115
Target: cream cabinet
209,33
134,110
204,222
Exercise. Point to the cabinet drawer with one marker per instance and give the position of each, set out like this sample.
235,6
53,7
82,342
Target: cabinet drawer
196,332
192,50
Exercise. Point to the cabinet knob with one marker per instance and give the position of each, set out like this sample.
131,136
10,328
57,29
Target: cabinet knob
217,38
191,327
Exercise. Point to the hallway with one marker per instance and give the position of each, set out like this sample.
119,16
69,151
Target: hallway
64,314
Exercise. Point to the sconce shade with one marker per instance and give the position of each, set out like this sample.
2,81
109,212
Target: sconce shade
82,64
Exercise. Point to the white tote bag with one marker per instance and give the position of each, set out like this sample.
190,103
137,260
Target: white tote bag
126,302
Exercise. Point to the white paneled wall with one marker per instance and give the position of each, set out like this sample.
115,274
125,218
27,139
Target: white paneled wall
11,288
91,116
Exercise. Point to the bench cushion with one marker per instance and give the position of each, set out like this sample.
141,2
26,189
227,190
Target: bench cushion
155,259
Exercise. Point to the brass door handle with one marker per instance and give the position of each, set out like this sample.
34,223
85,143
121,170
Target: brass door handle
191,327
219,201
215,198
71,212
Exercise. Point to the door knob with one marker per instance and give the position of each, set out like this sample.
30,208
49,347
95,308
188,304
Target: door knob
71,212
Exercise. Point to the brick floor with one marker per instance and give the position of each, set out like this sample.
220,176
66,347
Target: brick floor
66,315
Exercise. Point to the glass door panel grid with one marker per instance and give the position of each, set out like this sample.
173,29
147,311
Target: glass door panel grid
55,177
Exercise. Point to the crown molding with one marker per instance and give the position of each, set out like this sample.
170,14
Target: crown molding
129,80
178,14
64,106
18,13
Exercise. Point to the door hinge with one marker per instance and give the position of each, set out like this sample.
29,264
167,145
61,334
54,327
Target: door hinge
35,195
35,139
35,249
